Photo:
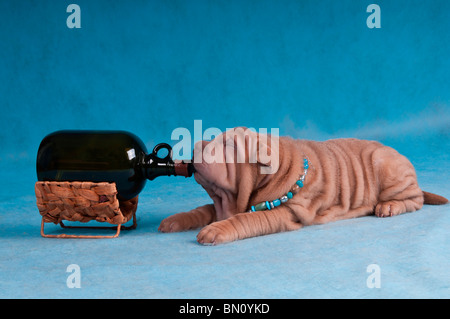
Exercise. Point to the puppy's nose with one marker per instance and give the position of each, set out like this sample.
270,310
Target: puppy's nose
191,167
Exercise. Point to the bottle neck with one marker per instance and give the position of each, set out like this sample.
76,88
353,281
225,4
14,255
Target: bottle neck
152,167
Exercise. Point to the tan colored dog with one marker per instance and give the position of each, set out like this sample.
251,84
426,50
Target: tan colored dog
346,178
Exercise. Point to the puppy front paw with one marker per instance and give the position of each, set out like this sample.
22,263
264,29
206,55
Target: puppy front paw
216,233
174,223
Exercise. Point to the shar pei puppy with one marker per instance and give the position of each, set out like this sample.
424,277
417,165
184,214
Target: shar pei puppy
261,184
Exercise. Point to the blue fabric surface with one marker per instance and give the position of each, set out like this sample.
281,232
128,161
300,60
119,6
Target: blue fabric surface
311,68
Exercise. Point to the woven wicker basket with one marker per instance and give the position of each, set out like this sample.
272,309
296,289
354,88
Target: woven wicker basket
83,202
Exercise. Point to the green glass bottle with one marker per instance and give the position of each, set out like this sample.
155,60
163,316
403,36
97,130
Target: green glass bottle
105,156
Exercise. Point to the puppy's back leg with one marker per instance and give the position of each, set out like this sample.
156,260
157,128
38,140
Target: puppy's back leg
399,190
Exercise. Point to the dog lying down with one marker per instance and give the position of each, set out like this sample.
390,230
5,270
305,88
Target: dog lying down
304,183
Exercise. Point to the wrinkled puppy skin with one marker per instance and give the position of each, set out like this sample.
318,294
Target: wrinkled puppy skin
347,178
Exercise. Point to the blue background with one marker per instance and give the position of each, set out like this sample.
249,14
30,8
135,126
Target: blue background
313,69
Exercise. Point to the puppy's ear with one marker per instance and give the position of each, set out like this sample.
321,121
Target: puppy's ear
260,148
268,153
263,153
239,142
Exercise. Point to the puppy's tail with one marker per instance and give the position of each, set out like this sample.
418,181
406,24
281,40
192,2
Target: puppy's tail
433,199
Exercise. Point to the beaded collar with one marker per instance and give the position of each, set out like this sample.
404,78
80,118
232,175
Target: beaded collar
268,205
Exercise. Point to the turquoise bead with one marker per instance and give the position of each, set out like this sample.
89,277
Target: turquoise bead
299,183
289,195
276,202
261,206
268,205
305,164
253,209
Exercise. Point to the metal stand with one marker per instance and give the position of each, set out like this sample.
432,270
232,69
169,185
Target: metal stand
118,228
